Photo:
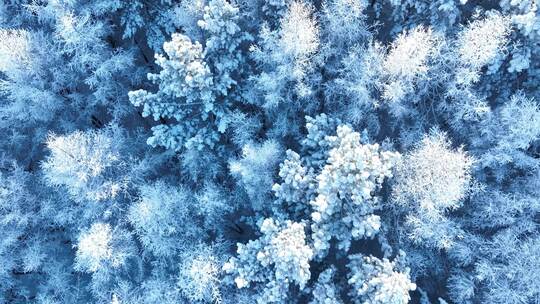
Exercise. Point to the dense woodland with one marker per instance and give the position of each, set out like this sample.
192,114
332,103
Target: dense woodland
269,151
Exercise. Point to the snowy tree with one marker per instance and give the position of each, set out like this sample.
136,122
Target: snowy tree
287,52
86,164
97,249
315,145
325,290
297,185
408,61
431,180
221,22
184,75
345,202
255,171
379,281
509,137
24,83
358,82
20,249
15,50
502,271
164,219
194,84
479,44
213,204
344,23
443,14
339,184
285,56
278,259
520,121
200,275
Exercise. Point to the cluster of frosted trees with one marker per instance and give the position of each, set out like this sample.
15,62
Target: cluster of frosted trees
269,151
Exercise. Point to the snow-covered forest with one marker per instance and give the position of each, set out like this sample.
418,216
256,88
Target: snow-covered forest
270,151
